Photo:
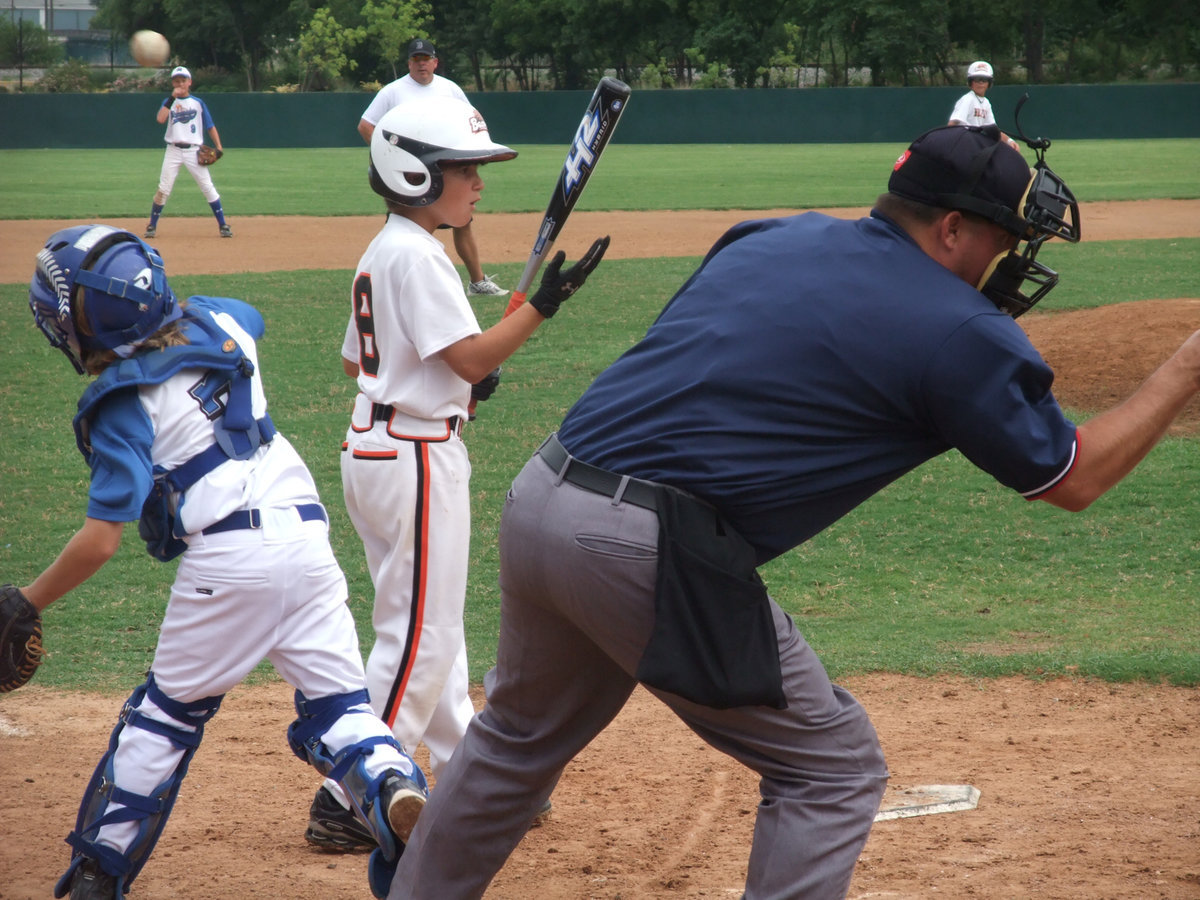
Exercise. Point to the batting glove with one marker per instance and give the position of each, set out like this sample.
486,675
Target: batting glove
486,386
558,286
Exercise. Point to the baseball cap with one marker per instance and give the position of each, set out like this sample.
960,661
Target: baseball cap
421,47
180,70
965,168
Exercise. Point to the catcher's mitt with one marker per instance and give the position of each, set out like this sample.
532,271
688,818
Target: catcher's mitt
20,639
206,155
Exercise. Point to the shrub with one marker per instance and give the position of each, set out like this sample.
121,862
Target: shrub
72,77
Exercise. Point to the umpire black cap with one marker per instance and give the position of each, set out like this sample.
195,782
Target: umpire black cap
966,168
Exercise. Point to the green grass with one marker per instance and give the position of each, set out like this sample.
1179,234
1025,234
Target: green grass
944,571
53,184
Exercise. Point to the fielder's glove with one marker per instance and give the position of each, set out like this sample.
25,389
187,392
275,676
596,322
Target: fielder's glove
206,155
20,639
557,287
486,386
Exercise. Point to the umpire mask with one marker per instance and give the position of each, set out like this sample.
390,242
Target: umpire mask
1016,281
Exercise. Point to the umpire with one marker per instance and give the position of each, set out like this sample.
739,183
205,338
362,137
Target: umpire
806,364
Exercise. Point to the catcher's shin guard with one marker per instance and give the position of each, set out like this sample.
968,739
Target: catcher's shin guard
371,796
149,812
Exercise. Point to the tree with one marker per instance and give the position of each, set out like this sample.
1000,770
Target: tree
323,48
743,35
24,45
231,35
391,24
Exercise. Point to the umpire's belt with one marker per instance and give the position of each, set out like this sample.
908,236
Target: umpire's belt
252,518
597,480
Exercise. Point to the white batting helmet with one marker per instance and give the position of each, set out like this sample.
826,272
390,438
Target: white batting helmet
980,69
412,139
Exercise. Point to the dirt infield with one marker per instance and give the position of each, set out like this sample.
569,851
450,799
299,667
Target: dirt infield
266,243
1089,791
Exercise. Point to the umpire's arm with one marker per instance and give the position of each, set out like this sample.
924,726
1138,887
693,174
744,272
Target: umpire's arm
1111,444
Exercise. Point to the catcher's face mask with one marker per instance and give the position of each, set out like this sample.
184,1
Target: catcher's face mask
1049,210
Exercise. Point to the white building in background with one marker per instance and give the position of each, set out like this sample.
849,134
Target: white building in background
69,23
56,16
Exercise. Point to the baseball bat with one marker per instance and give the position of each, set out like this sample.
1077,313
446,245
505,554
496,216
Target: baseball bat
591,137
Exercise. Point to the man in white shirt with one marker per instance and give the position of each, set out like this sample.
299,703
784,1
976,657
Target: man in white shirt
422,81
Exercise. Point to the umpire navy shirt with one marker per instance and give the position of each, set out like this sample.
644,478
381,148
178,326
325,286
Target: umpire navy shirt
809,362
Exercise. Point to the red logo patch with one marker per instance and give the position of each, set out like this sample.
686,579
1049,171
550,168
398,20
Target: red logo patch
902,160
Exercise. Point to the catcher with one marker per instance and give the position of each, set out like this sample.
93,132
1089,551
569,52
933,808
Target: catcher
187,119
176,432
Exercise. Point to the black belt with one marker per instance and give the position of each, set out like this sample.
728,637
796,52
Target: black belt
598,481
381,412
184,146
252,518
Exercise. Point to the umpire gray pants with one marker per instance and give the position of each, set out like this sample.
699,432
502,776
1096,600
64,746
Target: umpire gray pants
577,576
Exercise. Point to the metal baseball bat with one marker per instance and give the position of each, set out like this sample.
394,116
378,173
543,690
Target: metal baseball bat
591,137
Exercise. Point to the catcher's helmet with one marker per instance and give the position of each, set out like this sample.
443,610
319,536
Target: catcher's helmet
412,139
96,287
980,70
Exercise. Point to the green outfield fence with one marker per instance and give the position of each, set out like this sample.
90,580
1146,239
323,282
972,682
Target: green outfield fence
801,115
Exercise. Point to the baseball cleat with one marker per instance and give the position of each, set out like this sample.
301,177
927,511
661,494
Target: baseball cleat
226,231
90,882
403,799
333,827
487,286
543,814
151,231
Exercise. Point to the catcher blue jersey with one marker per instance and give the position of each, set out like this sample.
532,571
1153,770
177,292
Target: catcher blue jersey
812,380
133,429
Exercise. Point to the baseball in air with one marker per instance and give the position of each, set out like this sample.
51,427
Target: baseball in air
149,48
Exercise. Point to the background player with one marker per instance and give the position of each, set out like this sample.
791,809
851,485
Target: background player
422,81
784,384
416,349
187,119
973,107
176,431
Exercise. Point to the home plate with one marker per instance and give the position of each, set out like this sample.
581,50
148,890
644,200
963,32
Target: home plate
927,799
9,729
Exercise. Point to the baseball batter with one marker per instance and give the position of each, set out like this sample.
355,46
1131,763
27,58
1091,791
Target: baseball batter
188,120
973,107
415,348
176,432
422,81
806,364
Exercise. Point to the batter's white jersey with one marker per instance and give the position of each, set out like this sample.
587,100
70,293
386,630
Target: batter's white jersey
407,88
971,109
408,306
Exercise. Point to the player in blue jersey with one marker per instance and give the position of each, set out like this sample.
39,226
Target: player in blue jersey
188,120
808,362
176,433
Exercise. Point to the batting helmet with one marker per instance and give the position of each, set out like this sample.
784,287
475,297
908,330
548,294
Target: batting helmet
413,140
96,287
980,70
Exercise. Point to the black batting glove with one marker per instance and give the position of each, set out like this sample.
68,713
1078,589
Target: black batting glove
486,386
558,286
